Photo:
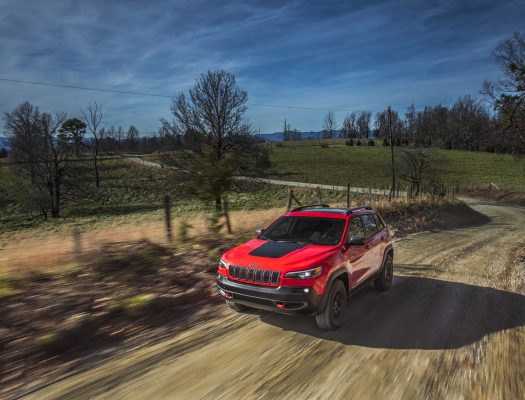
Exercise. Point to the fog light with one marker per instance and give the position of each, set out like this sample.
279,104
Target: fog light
306,290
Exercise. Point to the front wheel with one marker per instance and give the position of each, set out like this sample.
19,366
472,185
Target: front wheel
386,275
237,307
335,309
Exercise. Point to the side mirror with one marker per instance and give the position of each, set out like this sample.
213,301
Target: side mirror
259,231
356,241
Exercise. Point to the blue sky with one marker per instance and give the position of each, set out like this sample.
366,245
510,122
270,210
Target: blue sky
338,55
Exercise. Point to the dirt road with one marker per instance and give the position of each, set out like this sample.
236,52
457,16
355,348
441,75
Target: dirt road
452,326
383,192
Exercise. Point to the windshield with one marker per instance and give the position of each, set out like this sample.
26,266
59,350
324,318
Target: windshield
321,231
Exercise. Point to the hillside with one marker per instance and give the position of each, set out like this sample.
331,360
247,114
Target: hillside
367,166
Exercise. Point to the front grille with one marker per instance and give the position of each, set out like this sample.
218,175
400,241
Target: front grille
261,276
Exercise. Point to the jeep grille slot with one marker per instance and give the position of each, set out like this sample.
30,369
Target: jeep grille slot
254,275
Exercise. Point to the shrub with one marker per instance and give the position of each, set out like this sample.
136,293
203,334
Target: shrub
350,142
371,142
324,145
358,142
184,226
386,142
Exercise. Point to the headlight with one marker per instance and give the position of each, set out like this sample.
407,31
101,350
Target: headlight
306,274
222,264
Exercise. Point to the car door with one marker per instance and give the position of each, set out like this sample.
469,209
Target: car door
355,256
373,240
383,237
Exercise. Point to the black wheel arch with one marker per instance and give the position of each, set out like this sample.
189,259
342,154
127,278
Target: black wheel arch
389,250
339,274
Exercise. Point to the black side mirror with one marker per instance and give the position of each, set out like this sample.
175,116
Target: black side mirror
259,231
356,241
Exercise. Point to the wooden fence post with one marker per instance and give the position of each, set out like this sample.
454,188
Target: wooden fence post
348,195
319,197
289,200
167,218
227,215
77,242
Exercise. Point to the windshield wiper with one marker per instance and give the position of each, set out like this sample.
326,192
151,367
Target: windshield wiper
293,241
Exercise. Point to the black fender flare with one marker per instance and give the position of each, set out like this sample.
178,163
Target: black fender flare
333,277
388,249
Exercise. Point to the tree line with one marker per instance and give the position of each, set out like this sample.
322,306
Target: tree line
495,123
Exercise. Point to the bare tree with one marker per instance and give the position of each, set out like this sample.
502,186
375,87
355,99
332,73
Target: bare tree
414,164
350,128
470,123
393,165
388,123
286,131
295,134
507,95
411,121
329,125
132,138
217,140
363,123
41,154
93,119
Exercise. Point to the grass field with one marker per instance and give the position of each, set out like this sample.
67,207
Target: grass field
365,166
131,192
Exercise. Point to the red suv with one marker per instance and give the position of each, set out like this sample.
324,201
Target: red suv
309,261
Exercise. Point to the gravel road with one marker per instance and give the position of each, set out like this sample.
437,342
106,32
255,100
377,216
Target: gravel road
452,326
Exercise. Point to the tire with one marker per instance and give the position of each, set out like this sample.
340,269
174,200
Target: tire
237,307
384,280
333,315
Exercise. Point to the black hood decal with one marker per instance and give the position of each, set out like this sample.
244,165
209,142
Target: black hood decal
273,249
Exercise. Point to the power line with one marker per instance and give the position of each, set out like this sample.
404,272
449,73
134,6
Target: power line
65,86
84,88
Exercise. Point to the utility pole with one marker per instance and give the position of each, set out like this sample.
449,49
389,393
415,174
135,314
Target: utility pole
393,188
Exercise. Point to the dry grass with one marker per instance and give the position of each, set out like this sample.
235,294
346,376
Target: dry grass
25,251
56,251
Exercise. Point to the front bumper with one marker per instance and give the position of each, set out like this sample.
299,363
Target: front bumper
283,299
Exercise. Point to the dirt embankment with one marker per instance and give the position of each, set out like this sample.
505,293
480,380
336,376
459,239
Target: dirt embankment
132,293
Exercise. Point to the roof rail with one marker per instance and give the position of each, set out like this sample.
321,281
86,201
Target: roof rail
351,210
310,206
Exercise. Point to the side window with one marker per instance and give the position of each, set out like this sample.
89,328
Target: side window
370,225
355,228
379,223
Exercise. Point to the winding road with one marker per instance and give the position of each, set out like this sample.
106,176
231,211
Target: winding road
452,326
369,191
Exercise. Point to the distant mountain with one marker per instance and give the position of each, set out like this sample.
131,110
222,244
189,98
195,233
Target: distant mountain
4,143
278,136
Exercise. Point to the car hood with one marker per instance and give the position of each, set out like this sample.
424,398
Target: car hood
278,256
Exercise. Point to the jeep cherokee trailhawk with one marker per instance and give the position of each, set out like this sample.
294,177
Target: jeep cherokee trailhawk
309,261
